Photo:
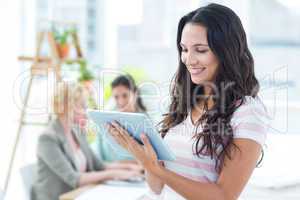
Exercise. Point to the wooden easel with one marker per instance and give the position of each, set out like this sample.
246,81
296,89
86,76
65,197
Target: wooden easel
41,66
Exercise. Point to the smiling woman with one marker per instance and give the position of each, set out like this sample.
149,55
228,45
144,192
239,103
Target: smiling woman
216,124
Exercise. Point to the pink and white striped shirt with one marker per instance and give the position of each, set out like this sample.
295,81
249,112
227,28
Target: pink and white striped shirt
250,121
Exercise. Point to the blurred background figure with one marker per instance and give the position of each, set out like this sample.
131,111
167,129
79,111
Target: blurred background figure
127,99
65,160
127,95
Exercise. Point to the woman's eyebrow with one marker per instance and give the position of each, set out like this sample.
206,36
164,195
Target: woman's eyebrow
199,44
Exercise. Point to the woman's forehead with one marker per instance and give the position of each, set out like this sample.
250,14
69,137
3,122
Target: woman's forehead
194,34
120,88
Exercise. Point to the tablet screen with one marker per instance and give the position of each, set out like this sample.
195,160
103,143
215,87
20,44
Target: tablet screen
135,124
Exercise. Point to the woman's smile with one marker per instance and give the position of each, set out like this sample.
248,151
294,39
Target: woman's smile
196,71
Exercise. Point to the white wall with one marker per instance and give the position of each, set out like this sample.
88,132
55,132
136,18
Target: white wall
9,48
12,33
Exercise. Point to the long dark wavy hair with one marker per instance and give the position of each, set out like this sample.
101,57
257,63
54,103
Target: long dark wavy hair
227,40
128,82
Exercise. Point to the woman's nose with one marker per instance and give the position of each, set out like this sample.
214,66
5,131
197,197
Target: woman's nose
190,59
121,103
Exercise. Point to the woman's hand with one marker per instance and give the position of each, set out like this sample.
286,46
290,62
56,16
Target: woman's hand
121,174
128,166
134,167
145,154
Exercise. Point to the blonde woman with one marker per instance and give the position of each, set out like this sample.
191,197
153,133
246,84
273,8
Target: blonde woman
65,160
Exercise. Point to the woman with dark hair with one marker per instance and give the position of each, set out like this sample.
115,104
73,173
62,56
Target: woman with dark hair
216,122
127,98
126,94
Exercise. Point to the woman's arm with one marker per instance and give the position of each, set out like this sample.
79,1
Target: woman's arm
154,182
49,151
109,174
233,177
94,177
128,161
125,166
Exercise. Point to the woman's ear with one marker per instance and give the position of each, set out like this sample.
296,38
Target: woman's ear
135,96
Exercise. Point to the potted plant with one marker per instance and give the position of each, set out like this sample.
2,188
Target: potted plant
62,43
86,79
85,75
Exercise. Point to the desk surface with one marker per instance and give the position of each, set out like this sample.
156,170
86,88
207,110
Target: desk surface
75,193
250,193
124,188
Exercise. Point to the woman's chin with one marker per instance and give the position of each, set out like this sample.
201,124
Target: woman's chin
125,109
197,80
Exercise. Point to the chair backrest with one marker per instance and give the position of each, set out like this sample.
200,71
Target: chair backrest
28,175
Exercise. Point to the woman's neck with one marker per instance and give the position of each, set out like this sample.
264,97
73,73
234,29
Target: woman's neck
207,90
199,109
67,126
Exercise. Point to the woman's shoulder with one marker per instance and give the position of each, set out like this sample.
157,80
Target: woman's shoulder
251,106
47,136
51,133
184,126
47,140
251,120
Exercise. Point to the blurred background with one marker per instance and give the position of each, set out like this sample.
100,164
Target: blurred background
139,37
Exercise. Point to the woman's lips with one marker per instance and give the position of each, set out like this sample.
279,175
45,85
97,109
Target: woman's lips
196,71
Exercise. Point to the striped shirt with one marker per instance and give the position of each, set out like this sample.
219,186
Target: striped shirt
248,121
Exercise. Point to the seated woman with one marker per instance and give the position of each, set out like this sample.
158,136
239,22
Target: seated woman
65,160
127,99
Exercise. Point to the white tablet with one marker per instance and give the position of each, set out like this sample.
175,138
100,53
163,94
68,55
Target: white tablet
135,124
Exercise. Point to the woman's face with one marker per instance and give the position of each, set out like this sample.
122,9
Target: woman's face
125,98
200,61
79,114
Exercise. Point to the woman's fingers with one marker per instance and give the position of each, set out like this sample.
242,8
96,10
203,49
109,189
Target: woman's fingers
147,144
127,141
136,167
116,135
123,138
128,138
123,133
145,140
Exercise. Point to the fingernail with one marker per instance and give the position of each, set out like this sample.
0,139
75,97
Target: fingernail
114,123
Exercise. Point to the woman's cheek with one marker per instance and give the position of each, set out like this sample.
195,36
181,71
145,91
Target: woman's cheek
183,58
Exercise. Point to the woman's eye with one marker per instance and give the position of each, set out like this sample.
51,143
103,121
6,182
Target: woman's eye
184,50
201,51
